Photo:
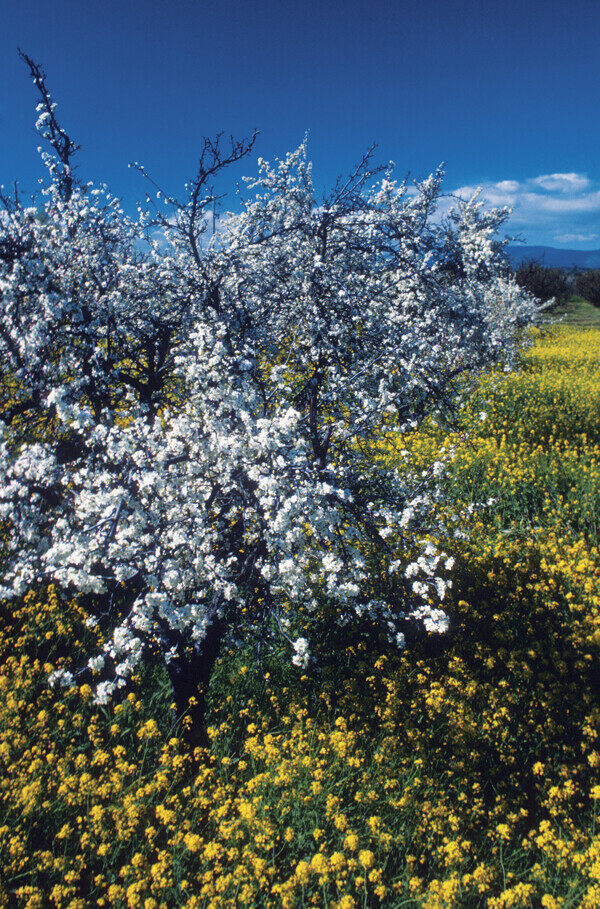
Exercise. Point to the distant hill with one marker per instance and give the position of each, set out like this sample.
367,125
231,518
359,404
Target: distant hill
555,258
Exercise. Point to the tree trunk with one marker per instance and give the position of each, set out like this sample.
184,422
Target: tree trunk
189,673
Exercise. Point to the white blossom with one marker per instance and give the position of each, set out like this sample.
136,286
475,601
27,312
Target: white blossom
301,653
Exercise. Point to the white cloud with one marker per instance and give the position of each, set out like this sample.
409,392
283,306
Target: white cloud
546,209
508,186
575,238
563,183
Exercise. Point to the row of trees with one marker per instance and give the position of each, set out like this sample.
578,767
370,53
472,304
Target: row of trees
587,285
558,284
187,425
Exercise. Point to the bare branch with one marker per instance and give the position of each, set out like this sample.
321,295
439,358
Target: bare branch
51,130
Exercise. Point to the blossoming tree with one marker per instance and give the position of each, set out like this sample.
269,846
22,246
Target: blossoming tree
189,424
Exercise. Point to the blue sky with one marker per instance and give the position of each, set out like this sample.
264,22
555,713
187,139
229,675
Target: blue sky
505,93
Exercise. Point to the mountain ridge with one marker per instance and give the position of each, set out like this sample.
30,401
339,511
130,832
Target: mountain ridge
554,258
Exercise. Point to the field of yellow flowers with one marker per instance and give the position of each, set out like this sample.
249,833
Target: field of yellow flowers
461,772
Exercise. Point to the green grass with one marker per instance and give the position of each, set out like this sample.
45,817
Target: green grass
577,311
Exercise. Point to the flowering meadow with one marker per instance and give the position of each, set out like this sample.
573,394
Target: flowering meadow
462,771
190,425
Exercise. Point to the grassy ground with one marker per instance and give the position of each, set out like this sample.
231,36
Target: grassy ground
577,311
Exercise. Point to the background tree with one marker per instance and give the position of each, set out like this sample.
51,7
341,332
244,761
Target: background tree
587,285
189,426
543,282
